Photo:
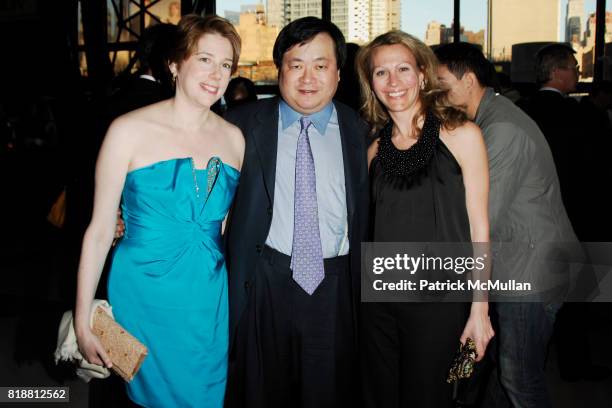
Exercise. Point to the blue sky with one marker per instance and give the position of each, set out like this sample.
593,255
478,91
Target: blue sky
417,13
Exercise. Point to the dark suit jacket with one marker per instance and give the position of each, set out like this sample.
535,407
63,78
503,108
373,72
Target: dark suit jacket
251,215
138,92
558,119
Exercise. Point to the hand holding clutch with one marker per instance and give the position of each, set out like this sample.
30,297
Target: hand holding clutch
125,351
463,363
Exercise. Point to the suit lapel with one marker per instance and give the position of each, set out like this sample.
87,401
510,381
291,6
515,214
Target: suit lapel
350,155
265,135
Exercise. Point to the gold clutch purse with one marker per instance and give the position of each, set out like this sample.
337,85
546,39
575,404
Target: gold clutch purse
124,350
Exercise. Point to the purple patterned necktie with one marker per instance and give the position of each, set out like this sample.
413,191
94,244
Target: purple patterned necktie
307,254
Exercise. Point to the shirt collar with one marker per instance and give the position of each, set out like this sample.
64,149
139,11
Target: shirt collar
488,94
319,119
149,77
548,88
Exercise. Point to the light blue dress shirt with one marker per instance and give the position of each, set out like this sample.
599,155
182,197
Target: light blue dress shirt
326,148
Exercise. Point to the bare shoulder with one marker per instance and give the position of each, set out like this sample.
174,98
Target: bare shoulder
466,133
140,122
464,137
464,141
124,130
120,142
134,131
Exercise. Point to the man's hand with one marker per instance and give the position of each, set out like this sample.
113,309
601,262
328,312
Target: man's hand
119,228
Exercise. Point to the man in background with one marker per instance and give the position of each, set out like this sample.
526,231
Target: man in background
581,158
526,215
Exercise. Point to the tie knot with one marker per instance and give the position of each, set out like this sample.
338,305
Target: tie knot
305,122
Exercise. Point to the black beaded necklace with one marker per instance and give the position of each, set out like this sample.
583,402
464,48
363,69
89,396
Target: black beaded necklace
396,162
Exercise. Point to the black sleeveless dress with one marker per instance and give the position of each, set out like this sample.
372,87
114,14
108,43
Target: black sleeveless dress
417,195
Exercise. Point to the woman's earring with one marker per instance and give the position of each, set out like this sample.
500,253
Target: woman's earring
422,85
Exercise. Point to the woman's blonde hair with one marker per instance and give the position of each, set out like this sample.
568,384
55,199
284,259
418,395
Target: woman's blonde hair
432,98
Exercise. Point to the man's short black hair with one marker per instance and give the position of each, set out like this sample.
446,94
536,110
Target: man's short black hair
461,58
154,49
302,31
240,85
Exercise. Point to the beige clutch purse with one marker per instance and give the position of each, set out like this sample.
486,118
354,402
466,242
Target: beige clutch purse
124,350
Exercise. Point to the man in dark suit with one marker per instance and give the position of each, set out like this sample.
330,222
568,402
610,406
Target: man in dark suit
294,232
153,81
557,115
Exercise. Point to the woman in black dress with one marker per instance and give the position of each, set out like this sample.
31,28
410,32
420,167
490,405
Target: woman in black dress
429,183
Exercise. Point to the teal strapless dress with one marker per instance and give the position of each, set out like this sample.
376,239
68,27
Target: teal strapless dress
168,281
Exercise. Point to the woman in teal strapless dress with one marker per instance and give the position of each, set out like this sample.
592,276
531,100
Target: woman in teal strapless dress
174,168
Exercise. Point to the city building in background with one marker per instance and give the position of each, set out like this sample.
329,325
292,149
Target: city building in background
477,37
528,25
589,36
574,21
276,12
359,20
585,51
520,21
441,34
494,25
355,15
509,25
232,16
257,43
384,16
295,9
339,13
433,35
